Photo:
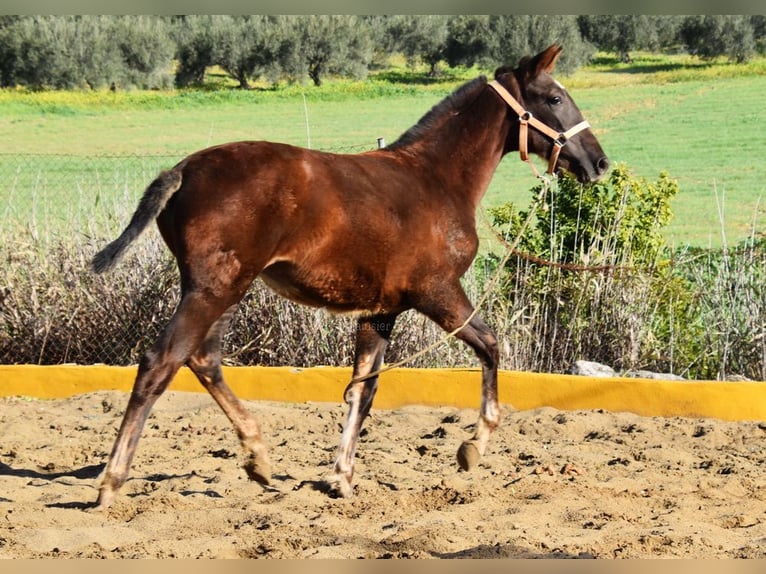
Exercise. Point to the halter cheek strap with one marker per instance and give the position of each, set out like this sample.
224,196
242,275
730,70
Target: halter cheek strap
526,119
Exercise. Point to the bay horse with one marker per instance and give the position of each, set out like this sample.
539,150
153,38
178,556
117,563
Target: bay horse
371,234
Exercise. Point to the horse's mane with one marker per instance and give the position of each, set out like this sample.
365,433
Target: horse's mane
452,104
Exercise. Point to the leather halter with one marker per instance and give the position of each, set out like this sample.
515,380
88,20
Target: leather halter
526,119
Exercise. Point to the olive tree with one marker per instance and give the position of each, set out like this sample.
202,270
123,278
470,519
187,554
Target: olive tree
719,35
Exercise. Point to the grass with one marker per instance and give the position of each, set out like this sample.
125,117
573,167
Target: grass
646,68
182,122
702,133
697,120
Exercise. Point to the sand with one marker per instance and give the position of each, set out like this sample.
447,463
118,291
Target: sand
554,484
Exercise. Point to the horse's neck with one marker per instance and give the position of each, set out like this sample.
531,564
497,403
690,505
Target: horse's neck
465,149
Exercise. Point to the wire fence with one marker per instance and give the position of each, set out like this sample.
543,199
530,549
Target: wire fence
58,193
53,194
57,211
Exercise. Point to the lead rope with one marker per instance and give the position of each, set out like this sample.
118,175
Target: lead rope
547,182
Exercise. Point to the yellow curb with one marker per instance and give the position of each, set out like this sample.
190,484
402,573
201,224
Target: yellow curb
733,401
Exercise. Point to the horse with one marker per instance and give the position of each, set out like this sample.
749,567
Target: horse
371,234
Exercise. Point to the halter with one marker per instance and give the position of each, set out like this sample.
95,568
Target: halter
525,119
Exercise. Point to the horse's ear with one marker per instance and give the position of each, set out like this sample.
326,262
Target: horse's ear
545,61
501,71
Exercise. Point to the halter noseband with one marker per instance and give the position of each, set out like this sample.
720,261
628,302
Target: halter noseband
525,119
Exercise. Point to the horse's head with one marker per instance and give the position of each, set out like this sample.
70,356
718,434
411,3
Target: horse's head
550,124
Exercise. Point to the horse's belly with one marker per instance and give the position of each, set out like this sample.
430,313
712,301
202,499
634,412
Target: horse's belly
339,292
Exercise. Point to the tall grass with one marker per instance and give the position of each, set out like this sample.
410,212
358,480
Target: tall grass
704,316
729,319
54,310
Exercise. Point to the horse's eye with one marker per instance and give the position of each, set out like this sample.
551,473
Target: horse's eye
554,100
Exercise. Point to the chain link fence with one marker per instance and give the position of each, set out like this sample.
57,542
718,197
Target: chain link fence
55,210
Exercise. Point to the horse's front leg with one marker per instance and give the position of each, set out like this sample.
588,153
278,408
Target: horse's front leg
447,305
372,338
481,339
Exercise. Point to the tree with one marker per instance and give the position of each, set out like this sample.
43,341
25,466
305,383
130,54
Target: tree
144,51
468,40
624,33
94,52
421,38
195,48
9,48
377,26
516,36
43,47
66,52
244,46
759,32
717,35
330,44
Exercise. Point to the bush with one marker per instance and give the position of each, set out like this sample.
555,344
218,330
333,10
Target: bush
589,278
593,279
617,221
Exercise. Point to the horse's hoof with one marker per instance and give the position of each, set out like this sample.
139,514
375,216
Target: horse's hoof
468,455
105,498
258,469
339,486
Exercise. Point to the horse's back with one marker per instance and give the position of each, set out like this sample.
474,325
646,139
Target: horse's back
317,195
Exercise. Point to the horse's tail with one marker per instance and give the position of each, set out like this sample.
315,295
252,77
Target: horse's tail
152,203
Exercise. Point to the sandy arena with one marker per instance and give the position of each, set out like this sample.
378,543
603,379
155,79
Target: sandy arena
554,484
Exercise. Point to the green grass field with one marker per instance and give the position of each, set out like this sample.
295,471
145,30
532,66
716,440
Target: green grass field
701,122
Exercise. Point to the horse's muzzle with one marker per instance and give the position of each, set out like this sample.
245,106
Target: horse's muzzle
591,174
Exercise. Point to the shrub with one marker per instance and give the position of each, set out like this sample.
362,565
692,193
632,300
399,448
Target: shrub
619,220
588,279
54,310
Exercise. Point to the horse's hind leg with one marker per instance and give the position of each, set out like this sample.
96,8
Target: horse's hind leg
372,338
181,337
206,365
